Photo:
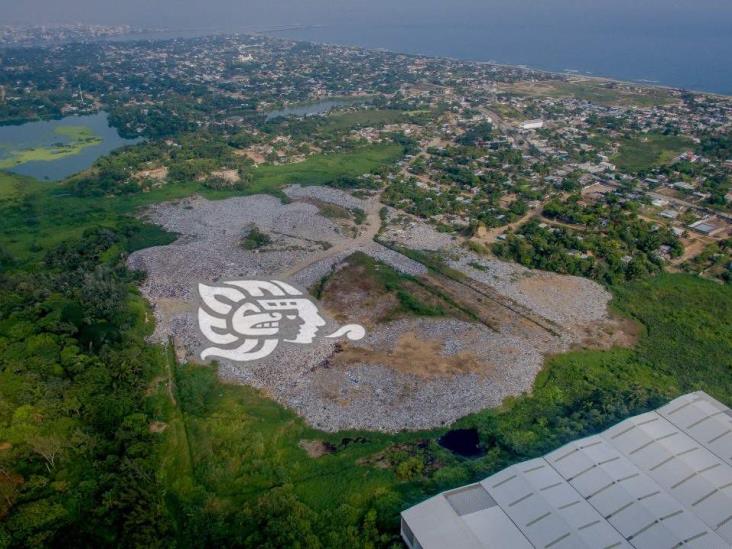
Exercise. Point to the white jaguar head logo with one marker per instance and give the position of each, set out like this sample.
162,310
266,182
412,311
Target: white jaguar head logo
246,319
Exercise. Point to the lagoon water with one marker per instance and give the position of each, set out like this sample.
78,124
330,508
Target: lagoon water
43,134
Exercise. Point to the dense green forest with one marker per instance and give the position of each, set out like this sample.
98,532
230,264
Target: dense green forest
106,440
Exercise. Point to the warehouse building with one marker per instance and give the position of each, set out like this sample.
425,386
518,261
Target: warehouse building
532,125
708,227
658,480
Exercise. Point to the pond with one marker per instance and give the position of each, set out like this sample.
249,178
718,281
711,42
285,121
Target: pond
463,442
56,149
311,109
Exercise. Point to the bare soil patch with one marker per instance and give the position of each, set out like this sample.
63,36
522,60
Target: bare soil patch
537,287
158,426
172,306
355,292
693,246
415,356
317,448
350,295
229,176
487,236
506,200
618,331
257,154
157,174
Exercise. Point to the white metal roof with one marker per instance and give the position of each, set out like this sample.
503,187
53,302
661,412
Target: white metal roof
705,420
660,479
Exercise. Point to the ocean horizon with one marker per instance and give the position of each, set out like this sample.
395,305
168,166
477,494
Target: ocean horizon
650,58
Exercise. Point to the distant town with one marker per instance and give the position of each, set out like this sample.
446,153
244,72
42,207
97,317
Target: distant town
40,35
513,159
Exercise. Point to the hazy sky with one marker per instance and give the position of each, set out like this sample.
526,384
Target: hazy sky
233,14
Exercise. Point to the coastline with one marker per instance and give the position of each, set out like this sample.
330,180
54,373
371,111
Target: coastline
165,34
528,68
274,33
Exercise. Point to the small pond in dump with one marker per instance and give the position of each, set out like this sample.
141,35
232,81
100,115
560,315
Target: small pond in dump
463,442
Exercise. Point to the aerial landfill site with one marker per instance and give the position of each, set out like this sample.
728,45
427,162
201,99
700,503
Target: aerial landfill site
263,289
410,371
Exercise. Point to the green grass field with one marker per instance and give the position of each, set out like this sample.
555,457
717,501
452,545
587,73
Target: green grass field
650,150
602,95
10,185
596,92
323,169
508,112
41,215
689,323
341,121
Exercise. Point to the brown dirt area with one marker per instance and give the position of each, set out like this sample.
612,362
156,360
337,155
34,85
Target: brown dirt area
350,295
158,174
415,356
316,448
487,236
693,246
230,176
617,332
256,154
668,191
172,306
507,199
353,294
490,308
536,286
158,426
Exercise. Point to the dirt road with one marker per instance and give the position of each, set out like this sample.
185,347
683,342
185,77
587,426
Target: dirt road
366,233
489,236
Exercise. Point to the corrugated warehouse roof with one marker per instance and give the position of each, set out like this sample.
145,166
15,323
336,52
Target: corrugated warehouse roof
658,480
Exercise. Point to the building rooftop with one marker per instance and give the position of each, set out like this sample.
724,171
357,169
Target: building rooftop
707,226
660,479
